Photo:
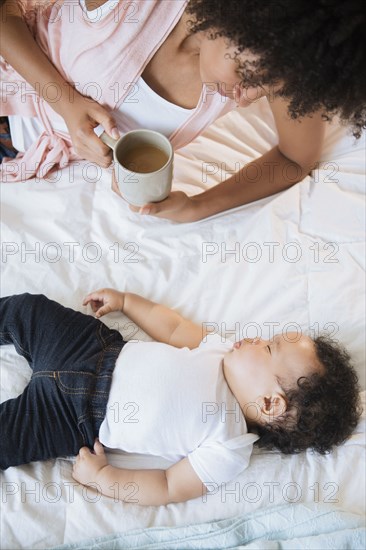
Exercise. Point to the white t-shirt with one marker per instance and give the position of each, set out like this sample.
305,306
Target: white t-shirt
175,402
141,108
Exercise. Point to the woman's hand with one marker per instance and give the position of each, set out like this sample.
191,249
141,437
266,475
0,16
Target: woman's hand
105,301
82,115
177,207
88,465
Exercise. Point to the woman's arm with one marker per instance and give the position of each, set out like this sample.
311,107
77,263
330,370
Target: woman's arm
160,322
81,114
298,150
21,51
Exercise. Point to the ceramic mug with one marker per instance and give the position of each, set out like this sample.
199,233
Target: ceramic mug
143,164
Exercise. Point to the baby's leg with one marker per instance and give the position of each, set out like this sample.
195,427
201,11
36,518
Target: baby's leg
72,356
37,425
47,334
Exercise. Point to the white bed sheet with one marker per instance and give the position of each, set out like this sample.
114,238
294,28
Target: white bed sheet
189,267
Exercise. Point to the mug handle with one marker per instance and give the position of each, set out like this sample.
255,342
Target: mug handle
108,140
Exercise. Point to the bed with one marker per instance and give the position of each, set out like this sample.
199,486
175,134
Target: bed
294,260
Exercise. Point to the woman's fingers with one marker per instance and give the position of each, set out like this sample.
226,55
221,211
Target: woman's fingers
90,147
84,115
103,153
107,121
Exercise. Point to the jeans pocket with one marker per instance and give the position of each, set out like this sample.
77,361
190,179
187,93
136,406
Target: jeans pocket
75,383
109,335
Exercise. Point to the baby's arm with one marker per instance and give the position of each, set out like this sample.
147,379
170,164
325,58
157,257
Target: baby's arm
160,322
145,487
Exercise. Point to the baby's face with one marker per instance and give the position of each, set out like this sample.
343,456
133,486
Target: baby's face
255,369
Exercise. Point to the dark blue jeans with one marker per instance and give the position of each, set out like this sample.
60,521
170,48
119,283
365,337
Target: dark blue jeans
72,356
6,148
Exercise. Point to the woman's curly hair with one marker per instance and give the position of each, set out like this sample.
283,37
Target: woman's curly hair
323,410
314,48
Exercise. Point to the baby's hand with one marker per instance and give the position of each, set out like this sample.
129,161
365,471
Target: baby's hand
105,301
88,464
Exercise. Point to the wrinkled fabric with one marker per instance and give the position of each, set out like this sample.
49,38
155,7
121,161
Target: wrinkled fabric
289,526
107,57
47,153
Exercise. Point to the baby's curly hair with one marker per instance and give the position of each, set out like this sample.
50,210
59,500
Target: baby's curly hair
314,48
322,411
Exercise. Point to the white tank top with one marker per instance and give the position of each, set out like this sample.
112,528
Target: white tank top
142,107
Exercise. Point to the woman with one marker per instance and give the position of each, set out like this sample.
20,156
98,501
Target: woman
202,59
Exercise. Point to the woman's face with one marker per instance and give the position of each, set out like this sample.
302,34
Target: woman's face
217,66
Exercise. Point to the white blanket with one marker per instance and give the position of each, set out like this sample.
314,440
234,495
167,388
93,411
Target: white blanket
288,526
293,260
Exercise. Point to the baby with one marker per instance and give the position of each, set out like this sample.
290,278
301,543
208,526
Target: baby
190,397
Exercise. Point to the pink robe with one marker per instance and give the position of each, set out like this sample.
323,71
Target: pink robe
104,56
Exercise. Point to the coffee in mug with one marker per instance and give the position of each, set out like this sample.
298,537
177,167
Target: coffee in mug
143,159
143,164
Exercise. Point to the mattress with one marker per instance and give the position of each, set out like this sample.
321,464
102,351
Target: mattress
292,261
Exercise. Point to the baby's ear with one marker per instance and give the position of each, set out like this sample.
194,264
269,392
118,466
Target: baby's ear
272,407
